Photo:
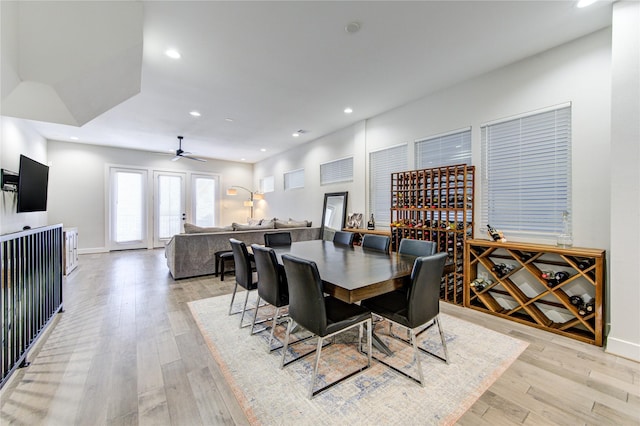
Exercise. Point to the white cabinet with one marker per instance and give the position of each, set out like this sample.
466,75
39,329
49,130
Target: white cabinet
70,249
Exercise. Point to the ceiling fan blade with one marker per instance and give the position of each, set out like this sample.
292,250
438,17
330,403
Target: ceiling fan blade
196,159
176,158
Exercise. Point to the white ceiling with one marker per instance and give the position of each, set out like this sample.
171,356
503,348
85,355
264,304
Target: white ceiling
276,67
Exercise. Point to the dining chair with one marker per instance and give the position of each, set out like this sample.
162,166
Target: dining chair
420,308
272,285
344,238
417,247
376,242
324,316
276,239
245,276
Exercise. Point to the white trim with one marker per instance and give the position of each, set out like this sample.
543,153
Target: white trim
623,348
526,114
440,135
391,147
337,159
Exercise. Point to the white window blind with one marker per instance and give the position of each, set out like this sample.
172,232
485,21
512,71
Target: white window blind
444,150
294,179
336,171
526,182
381,164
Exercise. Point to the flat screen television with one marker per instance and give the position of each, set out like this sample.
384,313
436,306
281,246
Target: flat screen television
33,182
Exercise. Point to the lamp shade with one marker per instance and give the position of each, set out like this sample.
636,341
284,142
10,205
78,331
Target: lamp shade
232,191
257,196
248,203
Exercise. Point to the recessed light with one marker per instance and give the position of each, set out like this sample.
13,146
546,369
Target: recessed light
242,159
352,27
585,3
195,113
295,135
228,119
263,149
348,110
172,53
74,138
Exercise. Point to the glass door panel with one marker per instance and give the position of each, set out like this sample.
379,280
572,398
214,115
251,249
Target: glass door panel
128,222
170,212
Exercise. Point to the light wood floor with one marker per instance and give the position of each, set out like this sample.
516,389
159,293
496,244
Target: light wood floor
127,351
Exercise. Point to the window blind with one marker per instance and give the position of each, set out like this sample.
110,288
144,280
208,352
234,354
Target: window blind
381,164
294,179
526,182
336,171
444,150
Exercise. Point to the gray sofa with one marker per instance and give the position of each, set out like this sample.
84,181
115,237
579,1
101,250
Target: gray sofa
191,255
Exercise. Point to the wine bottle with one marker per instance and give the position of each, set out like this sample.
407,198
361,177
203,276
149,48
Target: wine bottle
590,306
582,310
585,263
372,223
576,301
493,233
561,276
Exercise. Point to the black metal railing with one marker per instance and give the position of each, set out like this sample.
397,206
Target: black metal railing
31,276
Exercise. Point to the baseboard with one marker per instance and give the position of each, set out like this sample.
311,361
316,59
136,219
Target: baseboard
622,348
93,250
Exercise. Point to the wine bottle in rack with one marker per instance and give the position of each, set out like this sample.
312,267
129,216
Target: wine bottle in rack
590,306
585,263
576,301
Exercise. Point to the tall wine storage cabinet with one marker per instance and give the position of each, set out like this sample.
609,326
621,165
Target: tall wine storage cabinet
553,288
436,205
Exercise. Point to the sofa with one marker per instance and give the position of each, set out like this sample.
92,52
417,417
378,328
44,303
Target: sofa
193,254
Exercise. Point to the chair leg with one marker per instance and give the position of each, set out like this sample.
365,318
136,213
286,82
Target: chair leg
233,298
273,327
369,341
315,368
444,343
253,323
286,340
244,309
416,355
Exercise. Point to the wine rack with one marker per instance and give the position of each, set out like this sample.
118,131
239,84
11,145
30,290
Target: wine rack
552,288
436,205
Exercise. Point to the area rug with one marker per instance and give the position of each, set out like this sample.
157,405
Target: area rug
273,396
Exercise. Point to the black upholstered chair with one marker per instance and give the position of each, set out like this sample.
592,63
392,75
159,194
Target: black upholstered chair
344,238
276,239
245,276
419,308
376,242
324,316
272,284
417,247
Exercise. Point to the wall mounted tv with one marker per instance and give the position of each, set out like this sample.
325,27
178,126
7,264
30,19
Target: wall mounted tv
33,182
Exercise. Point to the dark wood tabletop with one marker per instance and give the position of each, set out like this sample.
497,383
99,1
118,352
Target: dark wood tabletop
352,274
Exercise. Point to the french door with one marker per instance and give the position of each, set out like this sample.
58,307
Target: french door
170,205
127,209
146,213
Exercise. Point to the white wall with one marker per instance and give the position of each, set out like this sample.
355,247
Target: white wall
624,291
306,203
17,138
578,72
77,185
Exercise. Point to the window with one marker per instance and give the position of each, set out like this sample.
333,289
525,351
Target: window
267,184
294,179
444,150
203,198
336,171
381,164
526,179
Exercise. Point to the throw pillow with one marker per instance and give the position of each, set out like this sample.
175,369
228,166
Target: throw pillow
301,222
245,227
190,228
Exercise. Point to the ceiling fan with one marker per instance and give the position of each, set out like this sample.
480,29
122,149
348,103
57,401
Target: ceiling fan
183,154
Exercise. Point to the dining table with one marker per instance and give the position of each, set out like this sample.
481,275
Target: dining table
350,273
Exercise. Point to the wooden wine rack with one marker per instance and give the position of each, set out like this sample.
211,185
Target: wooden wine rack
523,295
436,205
